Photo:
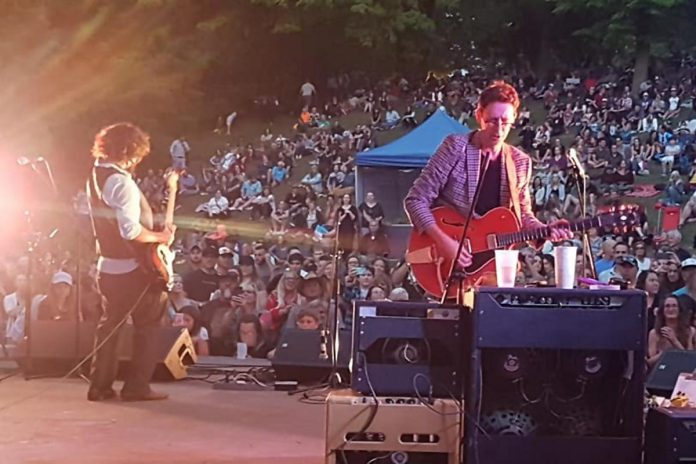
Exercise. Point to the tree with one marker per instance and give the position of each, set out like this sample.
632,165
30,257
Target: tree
389,35
639,29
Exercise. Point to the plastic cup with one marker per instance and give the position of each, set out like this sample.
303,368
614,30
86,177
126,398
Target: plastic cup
506,267
565,265
241,351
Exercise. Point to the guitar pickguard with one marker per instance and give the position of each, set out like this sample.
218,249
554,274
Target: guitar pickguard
479,261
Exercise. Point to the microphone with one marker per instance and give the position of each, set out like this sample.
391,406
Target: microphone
576,163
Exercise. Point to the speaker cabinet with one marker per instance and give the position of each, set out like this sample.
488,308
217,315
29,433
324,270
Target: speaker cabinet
57,346
665,373
175,351
397,429
670,436
555,376
304,356
406,349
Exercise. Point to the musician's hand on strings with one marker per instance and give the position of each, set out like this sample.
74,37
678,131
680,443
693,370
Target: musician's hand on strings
560,230
171,178
448,249
168,234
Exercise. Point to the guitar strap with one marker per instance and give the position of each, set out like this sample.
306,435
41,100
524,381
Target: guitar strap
512,181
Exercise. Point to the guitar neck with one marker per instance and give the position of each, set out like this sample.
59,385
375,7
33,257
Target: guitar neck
540,233
169,210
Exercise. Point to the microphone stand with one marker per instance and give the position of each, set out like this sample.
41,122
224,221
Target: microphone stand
453,272
45,162
335,378
35,239
32,244
581,182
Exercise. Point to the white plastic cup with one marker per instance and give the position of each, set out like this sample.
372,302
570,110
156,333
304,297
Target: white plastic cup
565,257
242,351
506,267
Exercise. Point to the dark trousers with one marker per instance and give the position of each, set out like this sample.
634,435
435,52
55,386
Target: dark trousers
121,292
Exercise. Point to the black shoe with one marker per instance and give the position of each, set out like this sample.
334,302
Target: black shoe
95,394
147,396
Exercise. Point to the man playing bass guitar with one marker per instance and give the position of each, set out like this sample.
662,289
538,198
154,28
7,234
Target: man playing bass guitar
123,224
453,172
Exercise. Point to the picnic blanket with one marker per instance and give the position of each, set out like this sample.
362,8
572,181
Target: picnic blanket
643,191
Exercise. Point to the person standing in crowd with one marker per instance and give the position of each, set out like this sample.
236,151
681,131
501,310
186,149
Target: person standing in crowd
122,221
348,220
308,92
649,282
15,305
179,151
203,281
55,306
672,331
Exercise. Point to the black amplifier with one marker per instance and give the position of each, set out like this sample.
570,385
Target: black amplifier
407,349
555,375
670,436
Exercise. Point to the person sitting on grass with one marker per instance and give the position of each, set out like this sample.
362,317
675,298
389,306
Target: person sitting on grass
217,206
251,188
675,190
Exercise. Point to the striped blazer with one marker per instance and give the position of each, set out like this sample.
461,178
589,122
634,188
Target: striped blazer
451,175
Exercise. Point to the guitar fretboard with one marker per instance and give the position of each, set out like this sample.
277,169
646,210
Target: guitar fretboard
511,238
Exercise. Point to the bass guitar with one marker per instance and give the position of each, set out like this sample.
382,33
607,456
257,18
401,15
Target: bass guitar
497,229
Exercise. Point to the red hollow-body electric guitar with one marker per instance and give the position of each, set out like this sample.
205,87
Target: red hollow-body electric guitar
497,229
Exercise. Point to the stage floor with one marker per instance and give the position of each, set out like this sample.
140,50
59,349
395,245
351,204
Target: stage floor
51,421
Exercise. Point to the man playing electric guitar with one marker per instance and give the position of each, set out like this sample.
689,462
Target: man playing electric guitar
123,224
452,174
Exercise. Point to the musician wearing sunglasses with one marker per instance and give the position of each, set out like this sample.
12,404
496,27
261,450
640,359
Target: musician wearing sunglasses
123,221
453,172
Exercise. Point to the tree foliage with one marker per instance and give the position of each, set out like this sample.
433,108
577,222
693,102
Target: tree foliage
92,61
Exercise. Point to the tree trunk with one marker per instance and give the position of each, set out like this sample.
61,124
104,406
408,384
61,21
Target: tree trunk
640,69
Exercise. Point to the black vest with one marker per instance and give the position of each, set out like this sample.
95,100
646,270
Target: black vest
110,244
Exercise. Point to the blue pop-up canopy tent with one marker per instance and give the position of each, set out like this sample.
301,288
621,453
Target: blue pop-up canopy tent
414,149
389,171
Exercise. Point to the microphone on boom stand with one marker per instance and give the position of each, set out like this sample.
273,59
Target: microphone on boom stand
581,179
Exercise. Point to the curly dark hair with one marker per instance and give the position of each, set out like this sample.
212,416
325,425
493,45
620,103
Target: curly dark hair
120,142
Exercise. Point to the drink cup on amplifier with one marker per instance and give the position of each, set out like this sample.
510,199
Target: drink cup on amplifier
506,267
565,265
242,350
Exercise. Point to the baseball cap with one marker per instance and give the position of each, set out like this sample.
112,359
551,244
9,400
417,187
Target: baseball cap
225,251
62,277
688,262
628,259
